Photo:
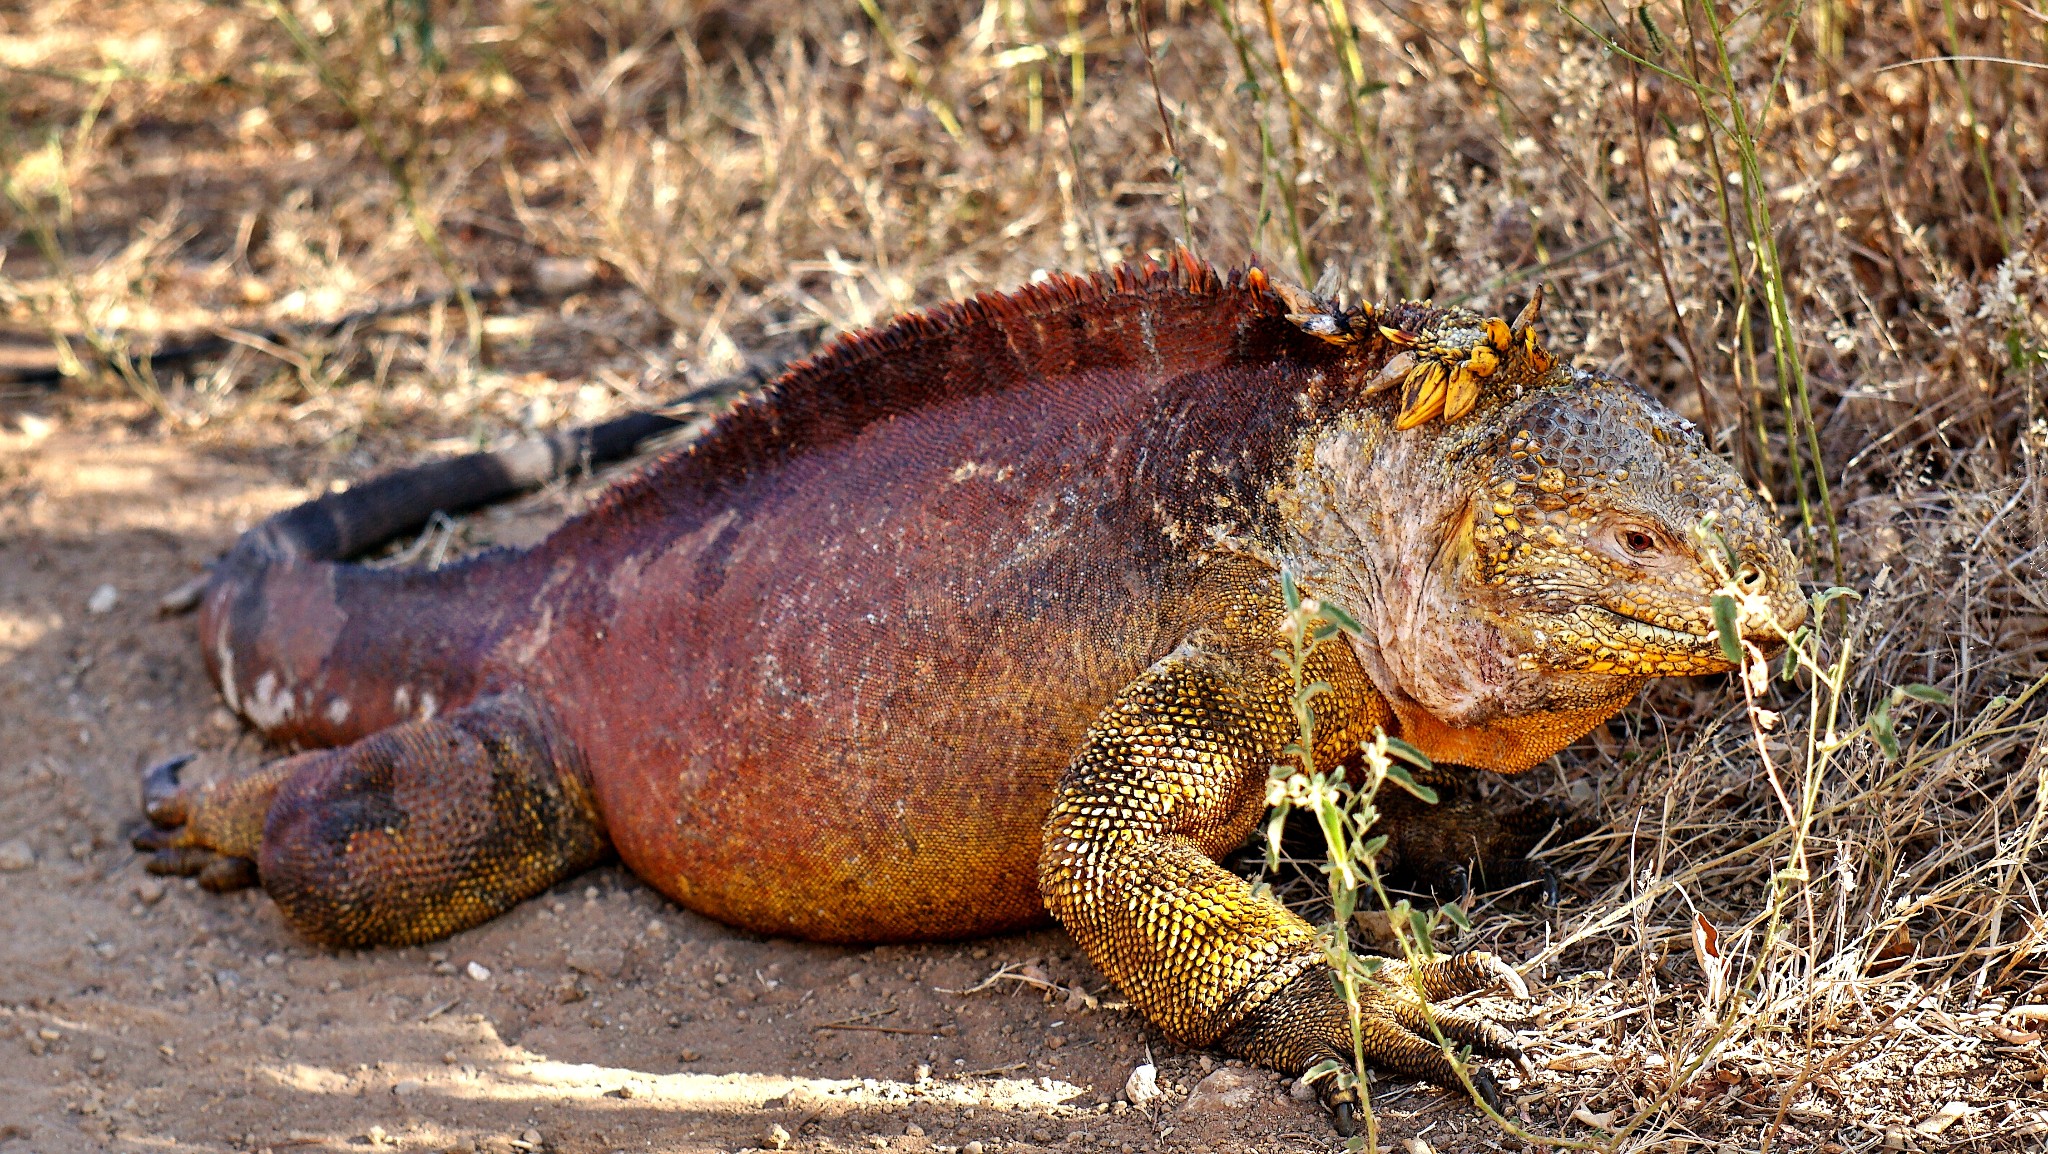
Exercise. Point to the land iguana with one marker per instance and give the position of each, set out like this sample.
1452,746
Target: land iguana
971,619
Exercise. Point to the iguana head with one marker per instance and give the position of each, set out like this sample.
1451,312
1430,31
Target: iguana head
1524,563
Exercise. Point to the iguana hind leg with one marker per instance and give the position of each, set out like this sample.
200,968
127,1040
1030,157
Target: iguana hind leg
405,836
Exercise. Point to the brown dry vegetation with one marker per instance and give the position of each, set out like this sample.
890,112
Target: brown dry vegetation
635,194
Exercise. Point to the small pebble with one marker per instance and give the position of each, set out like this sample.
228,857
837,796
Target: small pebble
1054,1041
99,1054
16,855
914,1130
1142,1087
775,1137
479,972
856,981
562,276
688,1056
532,1137
971,1148
103,600
408,1087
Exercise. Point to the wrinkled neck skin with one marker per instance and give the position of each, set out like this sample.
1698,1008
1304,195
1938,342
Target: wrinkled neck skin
1379,523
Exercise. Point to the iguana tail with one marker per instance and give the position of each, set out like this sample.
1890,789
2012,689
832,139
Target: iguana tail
272,608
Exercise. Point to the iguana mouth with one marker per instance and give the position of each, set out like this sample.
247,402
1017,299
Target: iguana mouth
1667,640
1663,638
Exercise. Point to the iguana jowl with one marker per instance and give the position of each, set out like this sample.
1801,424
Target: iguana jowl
970,619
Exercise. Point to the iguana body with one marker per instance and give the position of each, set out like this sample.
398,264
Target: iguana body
971,619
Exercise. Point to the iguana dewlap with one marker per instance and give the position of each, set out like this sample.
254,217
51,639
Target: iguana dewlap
971,618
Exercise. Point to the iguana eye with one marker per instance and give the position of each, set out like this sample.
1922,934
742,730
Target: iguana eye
1638,542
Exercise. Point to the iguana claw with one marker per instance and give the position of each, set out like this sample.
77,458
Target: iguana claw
160,791
1344,1112
1499,968
1488,1088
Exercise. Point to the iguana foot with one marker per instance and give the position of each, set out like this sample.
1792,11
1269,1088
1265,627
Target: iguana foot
405,836
1400,1029
210,830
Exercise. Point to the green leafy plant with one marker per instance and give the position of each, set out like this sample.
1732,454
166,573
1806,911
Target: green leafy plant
1345,812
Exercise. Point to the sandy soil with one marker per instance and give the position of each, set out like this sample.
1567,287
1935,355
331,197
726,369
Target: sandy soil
137,1014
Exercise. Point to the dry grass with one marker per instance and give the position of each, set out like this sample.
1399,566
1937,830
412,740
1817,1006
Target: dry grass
744,179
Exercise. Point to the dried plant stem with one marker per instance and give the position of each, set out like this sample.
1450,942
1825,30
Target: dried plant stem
1178,166
1786,354
1269,160
1365,136
913,74
1654,224
109,349
399,167
1965,94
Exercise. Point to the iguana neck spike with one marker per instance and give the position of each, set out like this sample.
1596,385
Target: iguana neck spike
1530,314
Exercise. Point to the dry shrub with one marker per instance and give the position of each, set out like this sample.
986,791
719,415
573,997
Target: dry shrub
746,179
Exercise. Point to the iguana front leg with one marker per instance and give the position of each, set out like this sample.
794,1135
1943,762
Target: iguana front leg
1171,777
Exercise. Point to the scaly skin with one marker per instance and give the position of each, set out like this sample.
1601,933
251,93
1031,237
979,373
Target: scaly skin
970,620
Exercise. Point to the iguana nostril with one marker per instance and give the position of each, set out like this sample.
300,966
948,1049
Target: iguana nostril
1750,578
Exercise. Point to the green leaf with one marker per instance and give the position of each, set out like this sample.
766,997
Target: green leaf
1371,849
1926,693
1650,29
1790,668
1821,599
1321,1070
1400,776
1881,729
1371,964
1341,617
1311,691
1419,922
1724,625
1409,754
1288,592
1457,916
1326,631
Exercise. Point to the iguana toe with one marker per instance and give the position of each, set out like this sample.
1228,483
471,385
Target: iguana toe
198,830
